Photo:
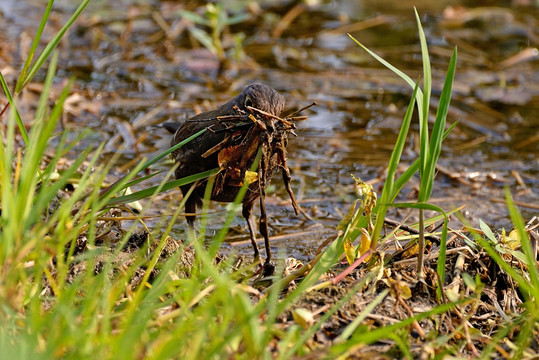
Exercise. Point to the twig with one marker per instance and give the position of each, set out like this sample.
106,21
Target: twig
410,230
291,116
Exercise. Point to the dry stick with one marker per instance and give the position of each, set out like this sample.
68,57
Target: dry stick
216,148
457,312
290,116
262,112
287,179
287,19
415,324
433,255
4,109
411,230
286,176
519,203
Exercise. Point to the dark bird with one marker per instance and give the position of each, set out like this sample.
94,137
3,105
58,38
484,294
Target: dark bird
232,146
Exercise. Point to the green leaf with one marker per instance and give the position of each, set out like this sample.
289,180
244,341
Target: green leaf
424,115
169,185
33,48
488,233
197,19
204,39
115,186
402,75
439,125
52,45
388,193
468,281
13,105
527,249
236,19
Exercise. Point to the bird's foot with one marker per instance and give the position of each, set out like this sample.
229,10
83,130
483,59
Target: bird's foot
268,269
263,277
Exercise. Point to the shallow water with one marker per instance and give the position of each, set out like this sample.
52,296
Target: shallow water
136,67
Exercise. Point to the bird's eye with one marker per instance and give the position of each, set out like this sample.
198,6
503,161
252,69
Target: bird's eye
248,102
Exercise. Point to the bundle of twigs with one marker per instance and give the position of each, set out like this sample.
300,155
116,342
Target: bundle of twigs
247,134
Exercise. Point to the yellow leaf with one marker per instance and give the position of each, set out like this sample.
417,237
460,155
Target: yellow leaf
303,317
365,243
402,288
250,177
513,240
410,252
349,251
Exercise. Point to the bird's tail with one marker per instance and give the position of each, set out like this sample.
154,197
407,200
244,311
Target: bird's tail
171,126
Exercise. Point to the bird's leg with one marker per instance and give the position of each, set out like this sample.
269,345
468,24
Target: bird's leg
246,212
191,203
191,208
268,267
263,224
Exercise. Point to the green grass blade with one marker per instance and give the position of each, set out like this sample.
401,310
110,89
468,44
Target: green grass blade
424,115
169,185
371,336
351,328
516,275
439,125
177,146
412,169
418,205
313,329
35,43
144,178
440,265
52,45
399,145
388,194
115,187
409,81
193,17
11,101
518,223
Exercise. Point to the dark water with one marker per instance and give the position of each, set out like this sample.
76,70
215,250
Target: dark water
137,66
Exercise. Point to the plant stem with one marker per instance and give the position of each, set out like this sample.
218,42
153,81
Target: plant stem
421,251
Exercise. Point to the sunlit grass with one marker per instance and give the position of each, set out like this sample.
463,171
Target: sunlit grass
47,311
428,154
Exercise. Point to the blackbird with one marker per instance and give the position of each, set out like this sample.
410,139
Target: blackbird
240,144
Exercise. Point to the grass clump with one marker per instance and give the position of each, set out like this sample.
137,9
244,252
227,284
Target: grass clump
65,292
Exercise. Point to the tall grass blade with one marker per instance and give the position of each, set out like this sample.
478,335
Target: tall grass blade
372,335
51,45
518,223
13,105
412,169
439,125
313,329
151,190
388,193
33,48
402,75
121,184
424,115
